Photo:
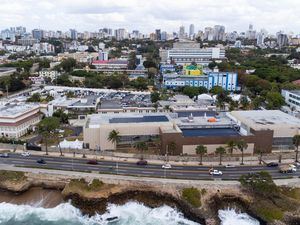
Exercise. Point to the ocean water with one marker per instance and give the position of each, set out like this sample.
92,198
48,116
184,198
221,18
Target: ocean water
232,217
131,213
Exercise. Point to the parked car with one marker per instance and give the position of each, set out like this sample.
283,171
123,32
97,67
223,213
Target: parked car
216,172
272,164
41,161
25,154
4,155
142,162
92,162
166,166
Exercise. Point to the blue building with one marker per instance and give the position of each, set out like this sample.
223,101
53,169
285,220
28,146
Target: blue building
167,67
226,80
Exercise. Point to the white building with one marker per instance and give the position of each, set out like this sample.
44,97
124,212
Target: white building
17,119
49,74
292,99
186,52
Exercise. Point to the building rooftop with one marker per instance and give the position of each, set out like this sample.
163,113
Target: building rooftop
267,119
15,110
96,120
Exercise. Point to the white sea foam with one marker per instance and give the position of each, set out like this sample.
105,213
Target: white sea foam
131,213
232,217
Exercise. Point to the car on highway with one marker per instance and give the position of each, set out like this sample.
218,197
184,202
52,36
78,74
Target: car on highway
297,164
92,162
41,161
288,169
141,163
272,164
216,172
166,166
25,154
4,155
230,166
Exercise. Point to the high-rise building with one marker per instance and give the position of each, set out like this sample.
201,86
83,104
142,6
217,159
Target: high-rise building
251,34
192,31
73,34
164,36
135,34
282,39
121,34
181,32
219,33
158,34
38,34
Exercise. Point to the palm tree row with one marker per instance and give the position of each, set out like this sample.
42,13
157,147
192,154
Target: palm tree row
232,145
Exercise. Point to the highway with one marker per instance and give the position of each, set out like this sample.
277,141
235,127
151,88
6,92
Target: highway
127,168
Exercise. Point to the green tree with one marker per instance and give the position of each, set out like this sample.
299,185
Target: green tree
260,183
245,102
220,151
141,147
190,91
132,61
68,64
155,96
216,90
296,142
242,145
62,116
201,150
36,97
231,146
47,128
114,137
274,100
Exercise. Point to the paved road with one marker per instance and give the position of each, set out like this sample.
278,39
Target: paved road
126,168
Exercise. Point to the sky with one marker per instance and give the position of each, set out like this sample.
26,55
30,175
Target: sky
148,15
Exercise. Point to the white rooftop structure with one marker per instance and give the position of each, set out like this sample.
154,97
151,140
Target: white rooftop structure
283,125
16,110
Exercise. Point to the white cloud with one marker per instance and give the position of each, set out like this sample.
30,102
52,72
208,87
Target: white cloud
146,15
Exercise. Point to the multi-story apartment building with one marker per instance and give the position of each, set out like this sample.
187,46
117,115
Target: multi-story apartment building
186,52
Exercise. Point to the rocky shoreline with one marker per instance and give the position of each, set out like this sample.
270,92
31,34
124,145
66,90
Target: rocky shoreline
93,196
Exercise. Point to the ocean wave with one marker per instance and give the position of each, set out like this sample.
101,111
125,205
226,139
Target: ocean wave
131,213
232,217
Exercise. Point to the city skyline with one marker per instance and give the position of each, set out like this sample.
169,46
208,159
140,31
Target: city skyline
235,15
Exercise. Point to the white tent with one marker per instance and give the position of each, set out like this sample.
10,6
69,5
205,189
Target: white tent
71,144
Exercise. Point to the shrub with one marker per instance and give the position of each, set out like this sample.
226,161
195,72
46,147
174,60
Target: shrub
11,176
192,196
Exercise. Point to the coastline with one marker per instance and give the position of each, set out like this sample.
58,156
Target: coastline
152,193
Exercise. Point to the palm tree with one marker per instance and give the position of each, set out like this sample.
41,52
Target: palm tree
114,137
231,146
260,156
141,146
296,142
201,150
46,128
220,151
242,145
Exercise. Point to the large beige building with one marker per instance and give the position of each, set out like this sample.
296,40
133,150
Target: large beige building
17,119
130,127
